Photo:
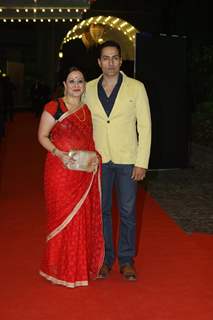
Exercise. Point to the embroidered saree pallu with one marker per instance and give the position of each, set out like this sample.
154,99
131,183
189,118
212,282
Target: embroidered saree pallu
74,250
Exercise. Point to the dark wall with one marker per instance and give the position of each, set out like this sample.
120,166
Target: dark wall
36,45
161,66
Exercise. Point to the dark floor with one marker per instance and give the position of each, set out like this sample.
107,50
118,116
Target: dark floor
187,194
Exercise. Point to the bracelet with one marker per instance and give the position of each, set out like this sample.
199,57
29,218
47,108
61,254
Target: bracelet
54,151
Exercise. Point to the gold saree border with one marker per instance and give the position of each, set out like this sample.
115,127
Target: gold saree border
64,283
72,213
68,113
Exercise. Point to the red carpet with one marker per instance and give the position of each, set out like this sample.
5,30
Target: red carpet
175,278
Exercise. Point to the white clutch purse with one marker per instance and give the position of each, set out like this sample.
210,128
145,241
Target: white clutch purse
82,160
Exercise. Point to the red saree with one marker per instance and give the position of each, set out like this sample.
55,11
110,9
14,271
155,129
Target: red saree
75,246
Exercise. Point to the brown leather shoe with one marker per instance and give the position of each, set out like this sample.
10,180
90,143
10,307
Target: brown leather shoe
128,272
104,271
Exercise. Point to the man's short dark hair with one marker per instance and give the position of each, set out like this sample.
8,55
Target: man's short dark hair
109,43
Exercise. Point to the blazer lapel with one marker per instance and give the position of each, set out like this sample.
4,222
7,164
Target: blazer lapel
97,106
121,96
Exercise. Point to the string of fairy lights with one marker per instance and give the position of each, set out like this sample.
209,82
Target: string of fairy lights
26,15
113,22
40,11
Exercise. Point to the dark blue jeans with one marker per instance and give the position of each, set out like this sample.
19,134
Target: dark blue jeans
119,175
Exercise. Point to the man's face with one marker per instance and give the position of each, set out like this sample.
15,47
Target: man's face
110,61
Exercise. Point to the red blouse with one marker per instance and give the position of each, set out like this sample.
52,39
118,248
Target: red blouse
52,106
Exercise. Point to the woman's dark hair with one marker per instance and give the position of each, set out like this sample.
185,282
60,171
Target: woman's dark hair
109,43
67,71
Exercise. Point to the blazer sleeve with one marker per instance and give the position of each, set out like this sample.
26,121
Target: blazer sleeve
143,127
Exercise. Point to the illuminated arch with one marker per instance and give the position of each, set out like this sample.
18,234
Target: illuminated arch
114,29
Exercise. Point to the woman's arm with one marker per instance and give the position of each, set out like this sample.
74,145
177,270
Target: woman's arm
46,124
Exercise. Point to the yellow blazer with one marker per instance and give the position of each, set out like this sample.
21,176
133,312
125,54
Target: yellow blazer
116,137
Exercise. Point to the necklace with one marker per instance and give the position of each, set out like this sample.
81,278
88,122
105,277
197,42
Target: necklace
75,110
84,115
71,106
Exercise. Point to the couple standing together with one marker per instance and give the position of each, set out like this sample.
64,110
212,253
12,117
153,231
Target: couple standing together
115,113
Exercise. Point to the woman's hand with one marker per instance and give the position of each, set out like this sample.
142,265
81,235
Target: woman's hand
93,164
63,156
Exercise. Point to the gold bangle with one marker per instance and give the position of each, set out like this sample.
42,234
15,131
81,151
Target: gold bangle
54,151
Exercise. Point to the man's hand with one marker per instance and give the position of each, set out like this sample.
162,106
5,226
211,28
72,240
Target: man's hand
138,173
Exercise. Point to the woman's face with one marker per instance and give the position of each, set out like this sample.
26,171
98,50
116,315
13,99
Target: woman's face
75,84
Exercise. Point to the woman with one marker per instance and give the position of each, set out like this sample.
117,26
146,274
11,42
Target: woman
75,247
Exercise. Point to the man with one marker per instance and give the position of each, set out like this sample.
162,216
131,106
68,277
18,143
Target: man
122,133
